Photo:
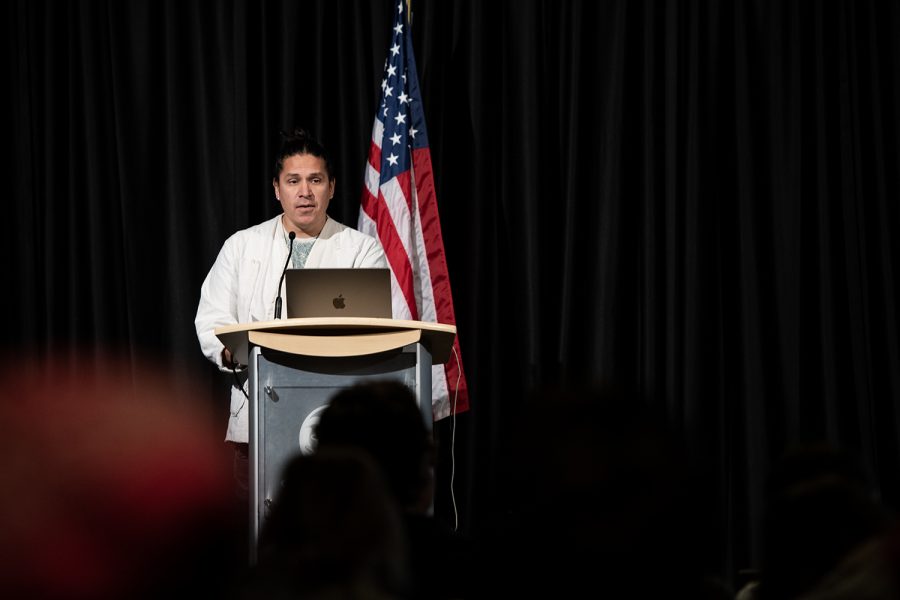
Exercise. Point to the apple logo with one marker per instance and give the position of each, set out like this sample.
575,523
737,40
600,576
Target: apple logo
339,301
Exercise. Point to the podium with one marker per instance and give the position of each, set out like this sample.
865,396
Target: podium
296,365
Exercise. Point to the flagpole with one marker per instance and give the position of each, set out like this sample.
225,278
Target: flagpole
399,208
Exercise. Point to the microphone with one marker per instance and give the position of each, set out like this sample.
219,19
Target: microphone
291,236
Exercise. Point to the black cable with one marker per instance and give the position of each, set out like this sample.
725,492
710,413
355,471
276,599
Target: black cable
237,382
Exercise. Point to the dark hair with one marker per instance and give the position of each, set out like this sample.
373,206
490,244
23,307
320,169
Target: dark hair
382,418
300,141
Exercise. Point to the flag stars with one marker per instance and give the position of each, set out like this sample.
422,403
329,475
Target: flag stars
397,101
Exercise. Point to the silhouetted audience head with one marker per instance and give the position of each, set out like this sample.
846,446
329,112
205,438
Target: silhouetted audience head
820,509
382,418
333,532
115,485
603,499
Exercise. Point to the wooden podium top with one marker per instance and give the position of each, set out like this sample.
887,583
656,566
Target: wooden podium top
337,336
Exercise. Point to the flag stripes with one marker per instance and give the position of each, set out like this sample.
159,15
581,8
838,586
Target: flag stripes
399,207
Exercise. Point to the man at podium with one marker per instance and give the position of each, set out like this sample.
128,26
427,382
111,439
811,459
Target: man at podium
244,284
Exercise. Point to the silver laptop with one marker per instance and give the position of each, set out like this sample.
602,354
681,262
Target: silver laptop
338,293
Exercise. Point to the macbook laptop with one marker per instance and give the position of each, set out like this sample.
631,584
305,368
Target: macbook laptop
338,293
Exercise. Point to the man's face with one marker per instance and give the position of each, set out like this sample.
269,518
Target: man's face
304,189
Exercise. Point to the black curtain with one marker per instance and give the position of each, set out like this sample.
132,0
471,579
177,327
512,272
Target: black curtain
692,199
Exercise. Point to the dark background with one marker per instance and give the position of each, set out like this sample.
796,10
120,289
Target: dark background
695,200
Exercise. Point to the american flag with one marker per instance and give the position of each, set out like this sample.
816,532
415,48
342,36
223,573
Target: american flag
400,209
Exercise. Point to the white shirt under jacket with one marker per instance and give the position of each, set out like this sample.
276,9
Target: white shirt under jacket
242,286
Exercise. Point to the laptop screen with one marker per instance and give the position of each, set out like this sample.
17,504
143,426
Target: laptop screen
333,292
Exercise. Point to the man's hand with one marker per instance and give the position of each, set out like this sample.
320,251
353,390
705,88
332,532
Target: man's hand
228,359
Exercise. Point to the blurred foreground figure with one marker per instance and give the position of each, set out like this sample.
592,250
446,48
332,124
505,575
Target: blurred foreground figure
333,532
826,533
382,419
602,497
113,486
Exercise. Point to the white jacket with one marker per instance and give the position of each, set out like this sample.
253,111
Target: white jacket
242,286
